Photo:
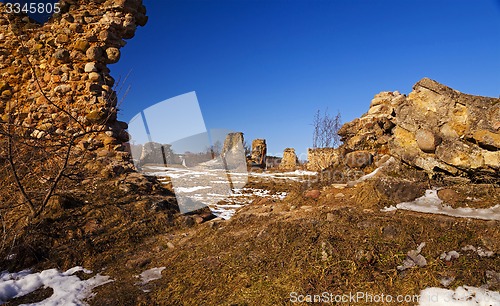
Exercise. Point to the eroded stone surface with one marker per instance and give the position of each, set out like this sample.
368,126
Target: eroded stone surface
434,128
61,65
289,160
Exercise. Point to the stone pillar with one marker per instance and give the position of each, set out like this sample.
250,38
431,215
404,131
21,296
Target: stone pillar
233,143
233,153
289,160
259,151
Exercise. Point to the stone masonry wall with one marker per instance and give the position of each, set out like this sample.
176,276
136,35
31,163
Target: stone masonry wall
434,128
321,158
56,73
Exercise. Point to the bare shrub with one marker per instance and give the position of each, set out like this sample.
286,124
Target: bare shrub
325,129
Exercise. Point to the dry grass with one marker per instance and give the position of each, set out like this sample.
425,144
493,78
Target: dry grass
336,244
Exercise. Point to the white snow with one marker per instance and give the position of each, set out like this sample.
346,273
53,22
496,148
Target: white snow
297,175
432,204
150,275
190,189
68,288
211,186
462,296
369,175
390,208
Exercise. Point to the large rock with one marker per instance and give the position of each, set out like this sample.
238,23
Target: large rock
358,159
427,141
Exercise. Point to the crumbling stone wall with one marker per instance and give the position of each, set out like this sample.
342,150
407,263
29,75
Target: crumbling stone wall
289,160
259,152
434,128
321,158
55,77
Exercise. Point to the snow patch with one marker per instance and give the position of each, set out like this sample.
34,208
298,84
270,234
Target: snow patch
68,289
150,275
462,296
432,204
190,189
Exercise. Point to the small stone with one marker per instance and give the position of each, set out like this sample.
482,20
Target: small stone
314,194
3,85
6,93
94,53
95,116
330,217
90,67
449,196
113,55
62,39
447,280
94,76
170,245
62,89
492,159
198,219
81,45
62,54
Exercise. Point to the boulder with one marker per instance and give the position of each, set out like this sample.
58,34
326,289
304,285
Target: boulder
358,159
427,141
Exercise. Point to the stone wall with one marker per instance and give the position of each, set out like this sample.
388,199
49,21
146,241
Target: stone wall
434,128
289,160
321,158
55,79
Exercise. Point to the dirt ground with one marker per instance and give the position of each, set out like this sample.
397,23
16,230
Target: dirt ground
320,239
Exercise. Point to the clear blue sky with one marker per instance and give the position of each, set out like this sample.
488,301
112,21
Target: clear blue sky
264,67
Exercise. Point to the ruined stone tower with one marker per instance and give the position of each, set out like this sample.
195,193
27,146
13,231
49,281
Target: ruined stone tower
55,79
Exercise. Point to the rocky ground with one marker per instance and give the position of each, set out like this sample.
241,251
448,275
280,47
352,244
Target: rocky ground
321,237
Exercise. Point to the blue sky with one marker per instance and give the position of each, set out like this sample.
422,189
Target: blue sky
265,67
